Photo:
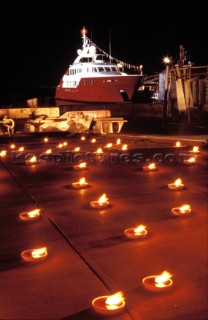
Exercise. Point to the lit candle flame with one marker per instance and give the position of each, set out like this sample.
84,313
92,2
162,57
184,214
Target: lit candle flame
65,143
118,141
162,279
178,182
140,229
21,149
48,151
3,153
60,145
83,165
82,138
99,150
178,144
108,145
114,301
33,159
124,147
45,139
152,166
102,199
38,253
12,146
77,149
82,181
93,140
34,213
195,149
185,208
191,160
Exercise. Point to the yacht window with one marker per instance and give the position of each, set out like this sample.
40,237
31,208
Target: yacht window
100,69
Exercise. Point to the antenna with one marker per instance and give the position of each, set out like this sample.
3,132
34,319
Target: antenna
110,43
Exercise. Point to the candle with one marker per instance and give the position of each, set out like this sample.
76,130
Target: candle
48,151
81,166
190,161
32,160
195,149
30,216
138,232
109,304
81,184
124,147
150,167
101,203
178,144
109,145
3,153
34,255
181,211
158,283
177,185
99,151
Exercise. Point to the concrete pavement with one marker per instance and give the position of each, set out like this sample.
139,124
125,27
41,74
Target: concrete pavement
88,253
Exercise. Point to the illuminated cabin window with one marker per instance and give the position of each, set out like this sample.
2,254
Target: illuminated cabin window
70,84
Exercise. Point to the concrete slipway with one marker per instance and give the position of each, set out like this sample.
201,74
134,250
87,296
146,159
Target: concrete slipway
88,253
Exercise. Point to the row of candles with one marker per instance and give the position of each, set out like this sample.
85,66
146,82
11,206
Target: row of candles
152,167
116,302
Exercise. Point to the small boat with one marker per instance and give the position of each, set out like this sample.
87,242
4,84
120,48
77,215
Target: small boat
93,77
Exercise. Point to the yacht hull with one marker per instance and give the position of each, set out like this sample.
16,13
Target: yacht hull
101,89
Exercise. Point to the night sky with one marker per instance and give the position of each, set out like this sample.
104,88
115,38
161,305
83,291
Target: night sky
39,42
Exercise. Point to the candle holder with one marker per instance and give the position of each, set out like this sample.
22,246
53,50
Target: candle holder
190,161
182,211
30,215
101,203
34,255
158,283
177,185
31,161
136,233
81,166
194,150
102,306
81,184
150,167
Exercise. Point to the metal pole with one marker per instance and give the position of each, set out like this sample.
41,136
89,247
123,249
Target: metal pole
189,95
165,107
